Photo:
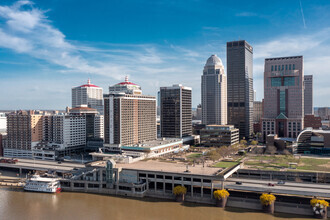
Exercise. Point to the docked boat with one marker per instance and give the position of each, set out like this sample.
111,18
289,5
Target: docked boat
43,184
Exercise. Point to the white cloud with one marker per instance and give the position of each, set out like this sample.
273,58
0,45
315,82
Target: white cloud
246,14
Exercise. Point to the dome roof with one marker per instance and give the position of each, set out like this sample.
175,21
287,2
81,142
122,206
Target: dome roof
126,82
213,60
89,84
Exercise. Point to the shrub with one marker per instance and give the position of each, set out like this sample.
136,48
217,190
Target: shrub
179,190
318,202
267,199
220,194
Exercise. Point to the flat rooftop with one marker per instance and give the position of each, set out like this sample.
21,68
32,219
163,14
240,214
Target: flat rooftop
171,167
155,143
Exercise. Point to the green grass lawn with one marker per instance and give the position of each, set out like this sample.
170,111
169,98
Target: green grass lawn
224,164
194,155
277,162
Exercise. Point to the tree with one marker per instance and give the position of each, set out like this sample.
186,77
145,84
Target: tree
243,142
254,142
271,150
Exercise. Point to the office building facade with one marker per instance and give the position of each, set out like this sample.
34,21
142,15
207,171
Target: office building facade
130,117
219,135
24,129
283,97
240,86
214,92
176,114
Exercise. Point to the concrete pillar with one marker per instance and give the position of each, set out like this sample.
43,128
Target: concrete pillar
202,188
100,178
20,172
147,182
212,189
94,176
71,185
164,184
192,188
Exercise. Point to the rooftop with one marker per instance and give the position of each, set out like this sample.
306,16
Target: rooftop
126,82
154,143
151,165
213,60
89,84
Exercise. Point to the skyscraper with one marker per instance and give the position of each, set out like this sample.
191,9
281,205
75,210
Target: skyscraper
175,117
214,92
130,117
308,95
240,86
88,94
283,96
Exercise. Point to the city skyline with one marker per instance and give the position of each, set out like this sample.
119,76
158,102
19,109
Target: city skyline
68,48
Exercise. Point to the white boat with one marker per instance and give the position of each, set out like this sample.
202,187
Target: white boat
43,184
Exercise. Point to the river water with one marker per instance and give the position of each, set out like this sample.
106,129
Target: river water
17,204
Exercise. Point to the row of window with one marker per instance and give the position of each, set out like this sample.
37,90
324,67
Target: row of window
281,67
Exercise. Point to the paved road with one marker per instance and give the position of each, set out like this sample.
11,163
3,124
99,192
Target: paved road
305,189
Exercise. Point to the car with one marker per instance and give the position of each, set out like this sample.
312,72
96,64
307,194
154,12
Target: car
59,162
239,183
271,184
281,182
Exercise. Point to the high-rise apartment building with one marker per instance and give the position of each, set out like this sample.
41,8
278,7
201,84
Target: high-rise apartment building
257,111
214,92
240,86
24,129
175,114
88,94
130,117
308,95
283,96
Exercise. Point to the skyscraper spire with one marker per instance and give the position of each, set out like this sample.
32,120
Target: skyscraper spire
88,81
126,78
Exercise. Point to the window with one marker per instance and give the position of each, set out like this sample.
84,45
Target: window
289,81
275,68
289,66
282,67
286,67
282,101
293,67
276,82
272,68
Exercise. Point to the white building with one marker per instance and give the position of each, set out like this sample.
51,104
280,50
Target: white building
3,122
214,92
88,94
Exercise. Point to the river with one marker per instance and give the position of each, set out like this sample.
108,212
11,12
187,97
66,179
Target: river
17,204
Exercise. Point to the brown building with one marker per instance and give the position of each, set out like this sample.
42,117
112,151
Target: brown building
129,117
23,129
311,121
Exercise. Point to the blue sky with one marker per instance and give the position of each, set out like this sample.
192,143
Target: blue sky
47,47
